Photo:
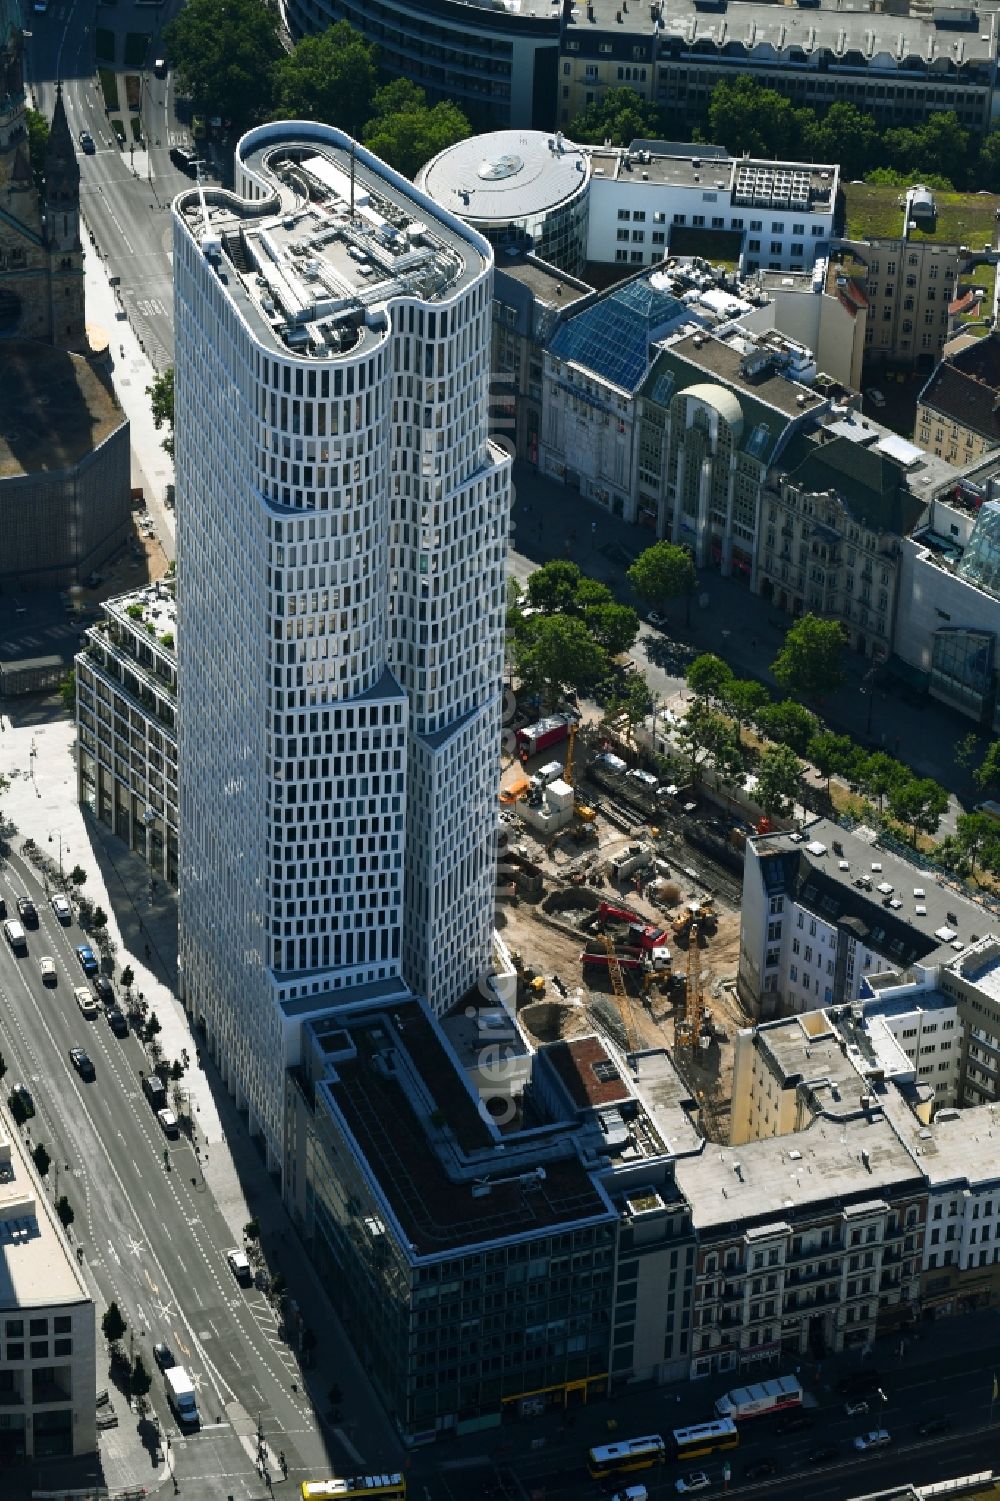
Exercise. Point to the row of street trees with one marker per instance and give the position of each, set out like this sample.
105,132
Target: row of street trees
745,115
228,56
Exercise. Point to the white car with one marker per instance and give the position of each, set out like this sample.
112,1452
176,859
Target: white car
48,969
239,1266
168,1123
856,1409
877,1439
85,1001
61,907
699,1481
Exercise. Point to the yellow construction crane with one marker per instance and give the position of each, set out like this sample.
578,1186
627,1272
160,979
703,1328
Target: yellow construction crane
688,1031
568,768
621,995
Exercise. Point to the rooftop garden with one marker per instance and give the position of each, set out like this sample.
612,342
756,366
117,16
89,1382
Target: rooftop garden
874,211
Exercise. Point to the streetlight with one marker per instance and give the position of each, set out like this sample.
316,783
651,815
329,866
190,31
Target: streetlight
58,835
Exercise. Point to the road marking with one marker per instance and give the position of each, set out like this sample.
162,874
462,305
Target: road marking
114,1254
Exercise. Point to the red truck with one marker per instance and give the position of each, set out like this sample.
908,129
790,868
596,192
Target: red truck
630,956
532,738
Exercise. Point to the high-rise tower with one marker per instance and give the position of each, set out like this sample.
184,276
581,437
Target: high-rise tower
342,525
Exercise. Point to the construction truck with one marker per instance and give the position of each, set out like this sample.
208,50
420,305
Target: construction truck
702,913
532,738
631,956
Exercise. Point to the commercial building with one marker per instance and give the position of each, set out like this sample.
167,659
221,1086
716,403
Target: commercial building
521,189
958,410
48,1360
126,716
898,67
341,599
825,310
917,252
498,63
823,909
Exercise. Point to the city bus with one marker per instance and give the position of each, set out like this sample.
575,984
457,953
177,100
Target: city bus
383,1487
629,1454
705,1438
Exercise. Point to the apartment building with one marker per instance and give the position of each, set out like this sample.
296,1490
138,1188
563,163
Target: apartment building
915,249
126,717
48,1359
973,981
823,909
833,520
958,410
341,602
824,309
897,67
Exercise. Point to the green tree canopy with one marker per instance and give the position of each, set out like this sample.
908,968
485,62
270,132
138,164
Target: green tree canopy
919,802
224,53
634,702
746,116
140,1379
877,774
779,773
559,653
614,627
978,836
810,661
988,169
831,754
38,140
743,698
988,772
708,676
707,736
554,586
844,134
330,77
788,723
406,131
113,1325
663,572
620,116
41,1159
937,145
161,406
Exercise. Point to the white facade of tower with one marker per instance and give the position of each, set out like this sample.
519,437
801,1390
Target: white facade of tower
342,526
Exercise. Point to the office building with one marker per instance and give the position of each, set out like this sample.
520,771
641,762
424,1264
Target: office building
48,1360
342,525
958,410
498,63
126,719
899,66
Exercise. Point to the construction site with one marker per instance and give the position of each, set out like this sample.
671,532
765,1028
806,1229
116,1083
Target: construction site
618,897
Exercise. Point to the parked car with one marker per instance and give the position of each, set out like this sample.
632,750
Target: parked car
61,907
104,991
15,935
184,159
164,1357
823,1454
87,958
931,1426
81,1061
22,1094
699,1481
26,912
117,1021
761,1469
47,966
168,1123
857,1409
630,1493
238,1263
875,396
878,1438
85,1001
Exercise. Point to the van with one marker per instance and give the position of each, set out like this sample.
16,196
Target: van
155,1091
15,936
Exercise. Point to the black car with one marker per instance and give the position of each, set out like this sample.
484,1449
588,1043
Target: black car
104,991
164,1357
823,1455
81,1061
184,158
761,1469
26,910
796,1422
931,1426
3,908
117,1021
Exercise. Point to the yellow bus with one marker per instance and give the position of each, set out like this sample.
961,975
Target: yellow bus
628,1454
383,1487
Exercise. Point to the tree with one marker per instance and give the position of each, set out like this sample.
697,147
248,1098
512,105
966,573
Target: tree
99,918
406,131
41,1159
830,753
810,661
17,1108
937,145
919,802
113,1325
620,116
847,135
251,1230
707,736
966,750
67,690
708,676
224,53
788,723
745,116
128,977
140,1380
988,772
975,832
559,653
65,1211
38,144
877,774
634,703
78,875
614,627
988,169
663,572
743,698
329,77
161,406
779,773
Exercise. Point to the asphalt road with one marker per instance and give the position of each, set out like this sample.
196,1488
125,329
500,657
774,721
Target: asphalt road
153,1238
127,215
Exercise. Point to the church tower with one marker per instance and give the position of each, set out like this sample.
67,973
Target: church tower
61,212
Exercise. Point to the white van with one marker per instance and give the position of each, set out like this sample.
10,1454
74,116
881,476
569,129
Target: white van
15,936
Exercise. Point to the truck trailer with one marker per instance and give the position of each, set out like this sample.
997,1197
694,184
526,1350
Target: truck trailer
532,738
761,1399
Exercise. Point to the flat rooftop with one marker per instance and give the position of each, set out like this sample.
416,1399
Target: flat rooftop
724,360
547,284
752,182
981,967
959,1146
905,914
54,409
589,1073
36,1268
846,1161
314,267
874,212
506,175
153,608
439,1169
807,1048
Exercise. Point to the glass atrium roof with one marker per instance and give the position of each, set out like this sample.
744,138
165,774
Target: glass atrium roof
613,335
980,563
